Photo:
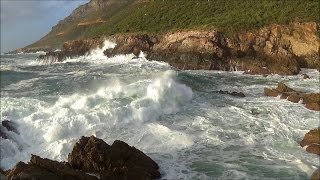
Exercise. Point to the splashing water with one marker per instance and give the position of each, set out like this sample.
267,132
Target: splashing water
172,116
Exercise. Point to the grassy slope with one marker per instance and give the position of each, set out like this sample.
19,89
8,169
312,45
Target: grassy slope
158,16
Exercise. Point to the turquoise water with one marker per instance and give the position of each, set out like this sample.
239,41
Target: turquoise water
173,116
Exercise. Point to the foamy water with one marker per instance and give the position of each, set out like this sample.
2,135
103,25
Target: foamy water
172,116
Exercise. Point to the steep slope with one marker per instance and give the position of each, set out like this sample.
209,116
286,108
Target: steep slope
107,17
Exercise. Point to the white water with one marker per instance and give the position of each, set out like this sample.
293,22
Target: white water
172,116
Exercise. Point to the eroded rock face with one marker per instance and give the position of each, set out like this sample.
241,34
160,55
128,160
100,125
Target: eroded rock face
116,161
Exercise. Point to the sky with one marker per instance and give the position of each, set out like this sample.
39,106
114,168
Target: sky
26,21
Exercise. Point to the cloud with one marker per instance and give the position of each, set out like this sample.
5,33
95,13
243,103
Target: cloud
31,19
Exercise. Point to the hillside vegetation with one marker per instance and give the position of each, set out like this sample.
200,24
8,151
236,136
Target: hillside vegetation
161,16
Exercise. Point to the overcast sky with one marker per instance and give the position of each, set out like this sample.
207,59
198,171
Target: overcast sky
26,21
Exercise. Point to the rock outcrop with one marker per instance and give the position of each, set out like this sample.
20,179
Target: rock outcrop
310,100
90,159
118,161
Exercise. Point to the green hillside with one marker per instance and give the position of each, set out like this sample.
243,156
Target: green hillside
160,16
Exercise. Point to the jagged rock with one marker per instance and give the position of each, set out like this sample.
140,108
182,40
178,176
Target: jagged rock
116,161
311,98
315,175
236,94
313,136
41,168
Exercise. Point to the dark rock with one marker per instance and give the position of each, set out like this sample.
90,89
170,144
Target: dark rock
312,137
7,126
41,168
116,161
315,175
305,76
314,148
270,92
236,94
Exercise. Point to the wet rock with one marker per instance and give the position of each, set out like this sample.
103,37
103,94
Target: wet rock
7,126
284,88
116,161
236,94
42,168
311,98
313,106
270,92
294,97
314,148
315,175
305,76
312,137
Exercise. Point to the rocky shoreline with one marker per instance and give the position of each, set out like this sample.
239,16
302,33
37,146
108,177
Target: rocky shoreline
276,49
91,158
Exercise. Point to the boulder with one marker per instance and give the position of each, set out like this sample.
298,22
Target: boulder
294,97
315,175
313,106
312,137
311,98
314,148
271,92
119,160
283,88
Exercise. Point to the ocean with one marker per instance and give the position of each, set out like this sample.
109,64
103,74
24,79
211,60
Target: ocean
174,116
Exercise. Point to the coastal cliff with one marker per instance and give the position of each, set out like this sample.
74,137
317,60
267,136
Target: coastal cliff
278,49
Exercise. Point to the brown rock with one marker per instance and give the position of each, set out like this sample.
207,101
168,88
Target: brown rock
116,161
314,148
315,175
271,92
236,94
311,98
312,137
313,106
283,88
294,97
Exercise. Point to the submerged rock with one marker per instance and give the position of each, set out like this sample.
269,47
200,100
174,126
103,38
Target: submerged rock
236,94
116,161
